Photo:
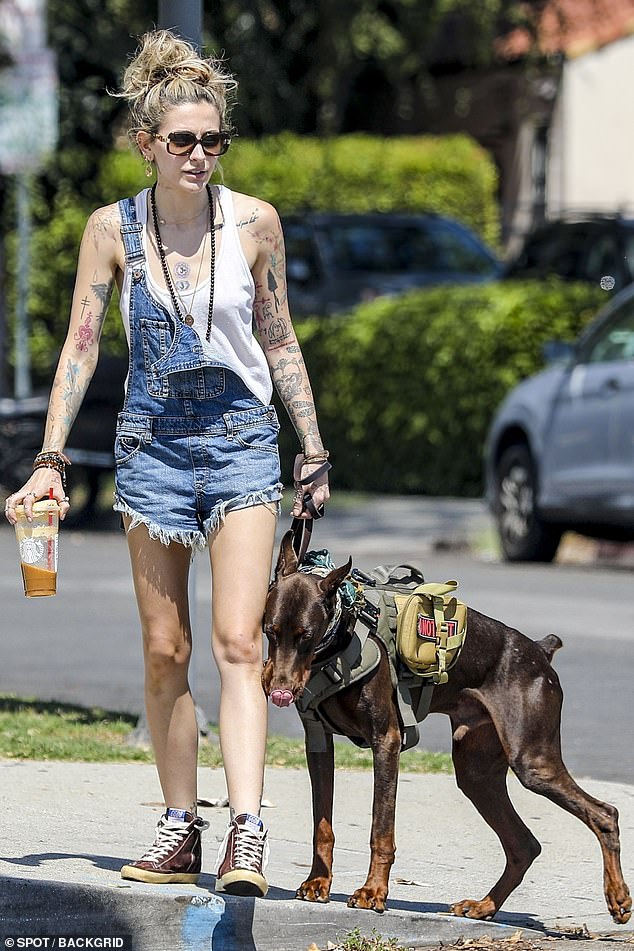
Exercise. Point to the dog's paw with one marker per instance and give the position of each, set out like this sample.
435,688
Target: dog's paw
469,908
619,904
371,898
315,889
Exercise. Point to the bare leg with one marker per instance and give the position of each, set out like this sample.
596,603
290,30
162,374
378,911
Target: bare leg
160,575
241,554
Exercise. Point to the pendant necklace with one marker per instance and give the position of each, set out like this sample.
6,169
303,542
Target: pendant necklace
187,318
180,292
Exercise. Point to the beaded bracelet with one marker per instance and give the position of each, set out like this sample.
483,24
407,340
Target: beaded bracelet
52,459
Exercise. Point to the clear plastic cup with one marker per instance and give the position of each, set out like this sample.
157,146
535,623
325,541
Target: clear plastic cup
37,544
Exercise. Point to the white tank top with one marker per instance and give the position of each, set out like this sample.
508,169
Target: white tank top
232,340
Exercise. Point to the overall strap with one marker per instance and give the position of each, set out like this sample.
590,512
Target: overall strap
131,231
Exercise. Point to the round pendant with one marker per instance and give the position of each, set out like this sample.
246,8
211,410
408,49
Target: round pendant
189,320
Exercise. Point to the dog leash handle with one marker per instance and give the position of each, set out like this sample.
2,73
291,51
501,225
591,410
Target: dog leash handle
302,528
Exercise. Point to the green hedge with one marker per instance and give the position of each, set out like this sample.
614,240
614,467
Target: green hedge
406,388
451,175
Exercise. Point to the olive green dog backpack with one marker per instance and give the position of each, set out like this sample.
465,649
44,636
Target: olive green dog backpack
431,626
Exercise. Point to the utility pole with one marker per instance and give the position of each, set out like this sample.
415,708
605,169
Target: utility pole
184,17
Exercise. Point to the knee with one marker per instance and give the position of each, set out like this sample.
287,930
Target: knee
238,650
164,660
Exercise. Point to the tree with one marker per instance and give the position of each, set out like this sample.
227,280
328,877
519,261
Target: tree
327,67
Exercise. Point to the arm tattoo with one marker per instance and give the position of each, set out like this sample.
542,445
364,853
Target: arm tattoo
248,221
85,336
70,395
287,376
103,293
272,284
101,224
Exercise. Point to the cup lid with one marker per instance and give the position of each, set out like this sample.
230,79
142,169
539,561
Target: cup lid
39,508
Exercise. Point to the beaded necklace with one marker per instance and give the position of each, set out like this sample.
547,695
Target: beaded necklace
187,318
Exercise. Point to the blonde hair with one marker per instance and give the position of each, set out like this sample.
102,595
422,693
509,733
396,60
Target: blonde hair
167,71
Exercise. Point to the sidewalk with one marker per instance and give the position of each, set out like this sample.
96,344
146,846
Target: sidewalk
73,825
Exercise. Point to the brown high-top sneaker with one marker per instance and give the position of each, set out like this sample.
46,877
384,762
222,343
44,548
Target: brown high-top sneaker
175,856
242,858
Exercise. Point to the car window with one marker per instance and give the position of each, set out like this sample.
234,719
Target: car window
457,249
614,340
399,248
377,247
604,260
557,248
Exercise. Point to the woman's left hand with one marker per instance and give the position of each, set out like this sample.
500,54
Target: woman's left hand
316,488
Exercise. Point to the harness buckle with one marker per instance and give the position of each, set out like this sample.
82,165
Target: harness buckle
332,673
369,614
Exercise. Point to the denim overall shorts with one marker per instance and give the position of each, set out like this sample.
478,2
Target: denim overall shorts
192,441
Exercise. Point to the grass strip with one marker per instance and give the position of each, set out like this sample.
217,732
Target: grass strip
48,730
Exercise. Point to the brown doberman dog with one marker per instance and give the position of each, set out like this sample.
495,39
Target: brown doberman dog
504,701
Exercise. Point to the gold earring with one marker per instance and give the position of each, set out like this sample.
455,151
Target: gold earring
149,168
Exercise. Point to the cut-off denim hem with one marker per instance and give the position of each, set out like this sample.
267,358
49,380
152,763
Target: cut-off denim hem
197,541
270,498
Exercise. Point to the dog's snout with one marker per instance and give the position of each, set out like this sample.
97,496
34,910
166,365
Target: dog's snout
281,698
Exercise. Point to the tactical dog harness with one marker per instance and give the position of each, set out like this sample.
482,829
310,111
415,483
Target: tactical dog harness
419,626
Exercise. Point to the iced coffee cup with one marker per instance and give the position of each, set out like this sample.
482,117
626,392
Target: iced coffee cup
37,544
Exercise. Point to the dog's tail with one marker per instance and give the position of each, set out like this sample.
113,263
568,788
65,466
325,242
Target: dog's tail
549,645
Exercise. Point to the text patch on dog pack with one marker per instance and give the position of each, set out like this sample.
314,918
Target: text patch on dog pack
426,628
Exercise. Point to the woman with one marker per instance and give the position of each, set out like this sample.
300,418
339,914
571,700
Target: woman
196,446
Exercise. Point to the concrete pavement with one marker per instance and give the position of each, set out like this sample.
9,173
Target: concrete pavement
70,826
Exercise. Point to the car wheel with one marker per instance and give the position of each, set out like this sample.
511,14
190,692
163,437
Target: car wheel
523,535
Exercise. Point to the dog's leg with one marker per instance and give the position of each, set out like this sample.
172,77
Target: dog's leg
386,749
535,757
481,766
321,768
528,722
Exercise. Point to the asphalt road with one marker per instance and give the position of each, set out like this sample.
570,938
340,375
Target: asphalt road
83,646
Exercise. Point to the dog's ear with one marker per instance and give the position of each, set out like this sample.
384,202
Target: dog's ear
287,559
331,582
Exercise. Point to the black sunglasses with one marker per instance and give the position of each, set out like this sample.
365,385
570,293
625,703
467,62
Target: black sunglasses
184,143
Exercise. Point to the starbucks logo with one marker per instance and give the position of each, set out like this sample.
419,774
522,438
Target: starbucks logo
31,550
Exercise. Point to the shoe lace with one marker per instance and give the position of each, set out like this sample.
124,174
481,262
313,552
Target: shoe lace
250,850
169,835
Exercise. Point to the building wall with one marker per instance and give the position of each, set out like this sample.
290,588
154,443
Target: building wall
591,140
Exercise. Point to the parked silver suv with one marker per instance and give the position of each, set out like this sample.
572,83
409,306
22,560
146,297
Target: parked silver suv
560,450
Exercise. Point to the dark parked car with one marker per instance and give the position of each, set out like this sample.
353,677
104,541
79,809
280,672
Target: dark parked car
560,450
90,446
595,248
335,261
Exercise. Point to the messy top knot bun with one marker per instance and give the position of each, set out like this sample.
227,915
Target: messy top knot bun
166,71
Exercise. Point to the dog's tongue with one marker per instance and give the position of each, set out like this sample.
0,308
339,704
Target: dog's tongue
281,698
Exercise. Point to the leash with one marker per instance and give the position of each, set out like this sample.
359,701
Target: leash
302,528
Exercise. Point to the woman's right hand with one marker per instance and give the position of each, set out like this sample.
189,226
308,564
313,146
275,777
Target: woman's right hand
37,487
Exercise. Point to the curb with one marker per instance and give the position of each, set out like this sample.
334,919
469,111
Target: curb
190,918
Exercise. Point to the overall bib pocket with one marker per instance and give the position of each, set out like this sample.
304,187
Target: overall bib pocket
168,374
